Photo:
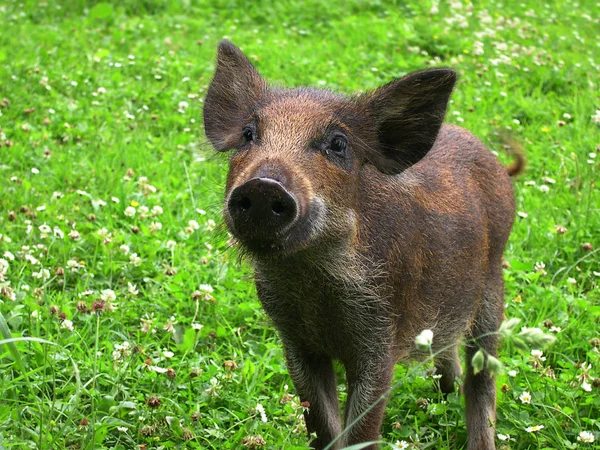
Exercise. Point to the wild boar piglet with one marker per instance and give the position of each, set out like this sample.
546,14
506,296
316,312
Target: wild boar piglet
367,221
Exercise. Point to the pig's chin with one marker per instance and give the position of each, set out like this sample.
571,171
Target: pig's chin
302,235
293,240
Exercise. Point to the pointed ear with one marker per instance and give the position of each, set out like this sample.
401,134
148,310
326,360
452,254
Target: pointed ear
234,91
408,114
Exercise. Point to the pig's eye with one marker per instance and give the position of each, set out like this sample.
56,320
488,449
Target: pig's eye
338,145
248,134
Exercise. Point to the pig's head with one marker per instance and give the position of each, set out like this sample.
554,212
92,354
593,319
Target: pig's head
298,154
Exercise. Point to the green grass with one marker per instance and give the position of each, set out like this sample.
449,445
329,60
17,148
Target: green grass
94,104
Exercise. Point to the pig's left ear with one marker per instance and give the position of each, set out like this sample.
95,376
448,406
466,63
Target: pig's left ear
408,114
233,93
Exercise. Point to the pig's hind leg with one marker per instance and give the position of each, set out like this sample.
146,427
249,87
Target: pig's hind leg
480,389
447,364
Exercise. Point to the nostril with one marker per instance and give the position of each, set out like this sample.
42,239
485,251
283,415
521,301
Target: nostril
278,207
244,203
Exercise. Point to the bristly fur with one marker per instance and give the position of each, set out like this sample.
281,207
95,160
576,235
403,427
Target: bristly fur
397,224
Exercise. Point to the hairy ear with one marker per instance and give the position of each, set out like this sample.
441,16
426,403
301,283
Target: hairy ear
234,91
408,114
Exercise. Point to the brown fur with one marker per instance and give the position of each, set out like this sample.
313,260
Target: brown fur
402,233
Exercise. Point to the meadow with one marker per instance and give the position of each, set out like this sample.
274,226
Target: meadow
127,321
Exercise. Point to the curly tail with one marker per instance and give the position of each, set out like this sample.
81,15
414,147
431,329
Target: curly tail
518,165
512,146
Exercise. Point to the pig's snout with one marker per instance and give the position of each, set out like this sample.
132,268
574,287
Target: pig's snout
262,206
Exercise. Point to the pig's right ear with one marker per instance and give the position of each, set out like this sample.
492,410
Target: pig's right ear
408,113
234,91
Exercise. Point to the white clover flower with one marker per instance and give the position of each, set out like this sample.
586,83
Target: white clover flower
8,255
155,226
168,354
135,259
157,210
170,325
101,90
123,429
424,339
157,369
124,249
103,233
132,289
193,224
45,229
129,211
210,225
35,315
148,188
58,233
525,397
3,266
197,326
538,354
43,274
587,387
115,200
108,295
171,244
571,280
7,292
214,386
67,325
503,437
261,411
73,265
143,210
121,351
596,117
57,195
586,437
206,289
74,235
512,373
146,324
31,260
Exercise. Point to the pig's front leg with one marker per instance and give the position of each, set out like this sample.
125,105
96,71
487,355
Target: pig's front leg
315,382
369,380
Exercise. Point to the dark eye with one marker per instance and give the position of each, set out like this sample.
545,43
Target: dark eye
338,145
248,134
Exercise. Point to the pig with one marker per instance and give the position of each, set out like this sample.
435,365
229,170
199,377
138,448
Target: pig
366,221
